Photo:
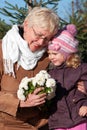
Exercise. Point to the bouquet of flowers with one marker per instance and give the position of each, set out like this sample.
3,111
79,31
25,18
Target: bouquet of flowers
42,79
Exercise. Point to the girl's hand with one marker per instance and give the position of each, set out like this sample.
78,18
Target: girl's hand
34,99
83,111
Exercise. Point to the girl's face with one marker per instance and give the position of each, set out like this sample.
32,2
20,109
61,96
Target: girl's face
56,58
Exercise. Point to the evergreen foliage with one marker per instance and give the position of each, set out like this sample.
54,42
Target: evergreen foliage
3,28
79,18
18,14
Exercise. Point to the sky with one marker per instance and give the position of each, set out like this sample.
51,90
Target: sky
63,8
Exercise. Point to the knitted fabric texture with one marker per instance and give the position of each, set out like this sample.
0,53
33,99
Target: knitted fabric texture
66,42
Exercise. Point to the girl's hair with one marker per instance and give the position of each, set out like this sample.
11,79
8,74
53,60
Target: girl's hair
73,61
44,18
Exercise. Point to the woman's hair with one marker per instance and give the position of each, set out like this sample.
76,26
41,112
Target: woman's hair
73,61
44,18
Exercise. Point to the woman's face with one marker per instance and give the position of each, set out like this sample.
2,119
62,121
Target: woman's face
56,58
36,38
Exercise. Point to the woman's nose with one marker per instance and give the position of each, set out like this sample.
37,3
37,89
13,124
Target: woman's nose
41,42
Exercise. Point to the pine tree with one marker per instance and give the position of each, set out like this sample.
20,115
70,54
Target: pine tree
3,28
81,23
79,18
18,14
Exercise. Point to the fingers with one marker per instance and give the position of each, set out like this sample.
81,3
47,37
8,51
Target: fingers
37,90
81,87
83,111
35,98
40,99
39,102
81,83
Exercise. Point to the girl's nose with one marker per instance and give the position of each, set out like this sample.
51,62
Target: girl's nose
51,56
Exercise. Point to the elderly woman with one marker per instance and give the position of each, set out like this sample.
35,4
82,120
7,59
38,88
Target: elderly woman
23,53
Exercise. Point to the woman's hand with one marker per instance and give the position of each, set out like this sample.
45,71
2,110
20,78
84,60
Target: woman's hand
83,111
81,87
34,99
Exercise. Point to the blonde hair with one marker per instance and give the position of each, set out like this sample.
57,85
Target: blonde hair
44,18
73,61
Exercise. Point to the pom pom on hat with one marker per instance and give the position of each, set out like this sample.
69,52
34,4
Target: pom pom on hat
71,28
66,41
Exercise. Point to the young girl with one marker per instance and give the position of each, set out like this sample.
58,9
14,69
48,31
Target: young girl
70,105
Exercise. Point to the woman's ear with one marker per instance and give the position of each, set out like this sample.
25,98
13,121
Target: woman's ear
26,25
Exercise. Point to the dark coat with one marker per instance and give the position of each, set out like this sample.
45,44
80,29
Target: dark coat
64,111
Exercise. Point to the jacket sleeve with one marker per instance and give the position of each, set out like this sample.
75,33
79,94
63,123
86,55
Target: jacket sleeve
85,103
8,101
84,75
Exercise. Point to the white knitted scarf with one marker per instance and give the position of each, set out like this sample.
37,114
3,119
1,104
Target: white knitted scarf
15,49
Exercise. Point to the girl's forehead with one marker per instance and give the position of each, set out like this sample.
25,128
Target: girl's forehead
52,51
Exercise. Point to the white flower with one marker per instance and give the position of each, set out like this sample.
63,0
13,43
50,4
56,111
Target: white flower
34,82
40,79
24,83
50,82
24,79
44,72
26,87
20,94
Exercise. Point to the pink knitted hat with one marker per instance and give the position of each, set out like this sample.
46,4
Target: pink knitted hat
65,43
